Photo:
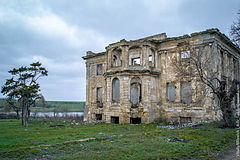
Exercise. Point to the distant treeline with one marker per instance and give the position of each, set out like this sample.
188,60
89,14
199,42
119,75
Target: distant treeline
50,105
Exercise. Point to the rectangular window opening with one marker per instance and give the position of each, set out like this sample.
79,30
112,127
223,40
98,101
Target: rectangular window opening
115,120
185,54
150,58
186,92
171,92
99,95
99,69
136,61
185,119
98,117
135,120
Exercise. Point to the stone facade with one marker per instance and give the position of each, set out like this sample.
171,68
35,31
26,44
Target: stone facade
135,81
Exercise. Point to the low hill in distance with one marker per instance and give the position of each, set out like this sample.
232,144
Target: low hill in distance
50,106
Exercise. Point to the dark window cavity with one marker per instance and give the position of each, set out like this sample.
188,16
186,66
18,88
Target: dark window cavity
98,117
115,120
135,120
185,119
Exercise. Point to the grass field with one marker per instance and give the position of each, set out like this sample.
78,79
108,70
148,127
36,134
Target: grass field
57,140
61,106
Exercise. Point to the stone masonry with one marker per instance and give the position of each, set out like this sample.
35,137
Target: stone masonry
135,81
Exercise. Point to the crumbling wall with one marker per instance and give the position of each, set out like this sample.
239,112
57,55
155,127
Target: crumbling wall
139,81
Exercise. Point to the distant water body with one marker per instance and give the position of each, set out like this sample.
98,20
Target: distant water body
52,114
56,114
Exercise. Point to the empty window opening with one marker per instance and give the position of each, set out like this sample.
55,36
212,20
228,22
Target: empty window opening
115,90
99,69
150,60
135,91
135,120
186,92
185,54
115,120
185,119
136,61
98,117
99,95
117,58
171,92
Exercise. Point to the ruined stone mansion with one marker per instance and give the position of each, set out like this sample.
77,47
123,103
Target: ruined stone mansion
135,81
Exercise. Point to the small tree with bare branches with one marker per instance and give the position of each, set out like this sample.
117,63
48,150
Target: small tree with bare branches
198,62
235,30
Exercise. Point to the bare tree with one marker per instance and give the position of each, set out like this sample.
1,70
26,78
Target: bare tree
235,30
197,61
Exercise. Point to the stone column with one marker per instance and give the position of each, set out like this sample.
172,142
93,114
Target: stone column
108,54
155,59
145,49
178,91
125,58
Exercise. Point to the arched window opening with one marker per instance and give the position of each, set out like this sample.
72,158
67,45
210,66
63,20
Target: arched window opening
117,58
116,90
135,91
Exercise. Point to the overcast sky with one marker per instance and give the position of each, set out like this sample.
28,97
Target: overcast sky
59,32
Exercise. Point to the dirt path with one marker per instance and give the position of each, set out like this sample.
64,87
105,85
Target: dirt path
230,154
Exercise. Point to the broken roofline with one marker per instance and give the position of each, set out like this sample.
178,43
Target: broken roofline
91,54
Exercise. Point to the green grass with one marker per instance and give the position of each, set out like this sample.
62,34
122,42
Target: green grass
144,141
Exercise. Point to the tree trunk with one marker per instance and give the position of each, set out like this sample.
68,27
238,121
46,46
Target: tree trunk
22,113
25,116
227,112
17,112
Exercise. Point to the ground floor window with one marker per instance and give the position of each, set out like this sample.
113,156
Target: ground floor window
171,92
135,120
185,119
115,120
186,92
98,117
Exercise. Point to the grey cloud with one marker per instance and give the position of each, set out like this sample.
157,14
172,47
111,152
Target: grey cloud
60,32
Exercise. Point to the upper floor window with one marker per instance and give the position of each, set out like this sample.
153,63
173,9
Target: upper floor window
136,61
135,55
185,54
116,57
99,69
